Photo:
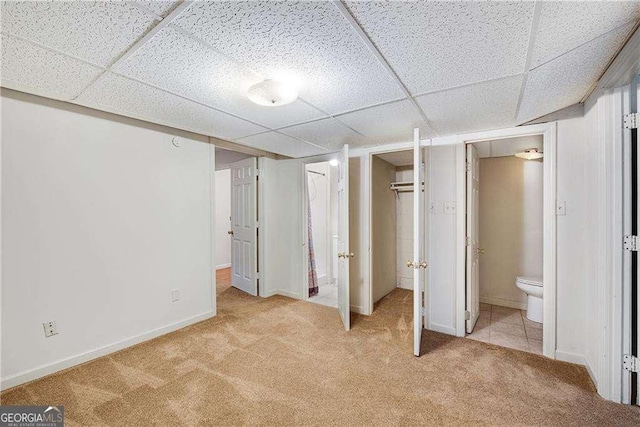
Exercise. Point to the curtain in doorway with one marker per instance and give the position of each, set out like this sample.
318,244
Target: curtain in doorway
313,275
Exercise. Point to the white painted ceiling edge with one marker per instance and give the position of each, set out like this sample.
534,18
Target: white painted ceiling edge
338,121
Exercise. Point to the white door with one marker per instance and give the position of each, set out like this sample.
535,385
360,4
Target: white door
473,226
419,263
344,255
244,231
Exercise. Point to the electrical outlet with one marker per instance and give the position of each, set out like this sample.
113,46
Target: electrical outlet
450,208
50,328
175,295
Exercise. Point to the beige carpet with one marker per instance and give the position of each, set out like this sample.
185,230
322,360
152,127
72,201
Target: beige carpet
280,361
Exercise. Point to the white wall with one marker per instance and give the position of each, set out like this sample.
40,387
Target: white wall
511,223
384,226
101,218
223,213
404,231
572,261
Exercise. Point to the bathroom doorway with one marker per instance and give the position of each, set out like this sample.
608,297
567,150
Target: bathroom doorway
507,258
321,181
505,251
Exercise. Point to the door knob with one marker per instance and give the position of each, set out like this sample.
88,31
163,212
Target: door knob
340,254
410,264
230,232
423,264
479,251
349,256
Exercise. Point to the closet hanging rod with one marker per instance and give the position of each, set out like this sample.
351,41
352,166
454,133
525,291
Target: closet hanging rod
318,173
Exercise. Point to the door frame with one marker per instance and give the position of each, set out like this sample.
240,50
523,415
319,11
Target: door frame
368,191
303,209
549,136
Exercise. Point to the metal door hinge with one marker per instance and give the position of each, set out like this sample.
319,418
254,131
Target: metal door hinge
258,276
424,311
630,363
468,241
467,315
468,166
630,121
257,172
631,243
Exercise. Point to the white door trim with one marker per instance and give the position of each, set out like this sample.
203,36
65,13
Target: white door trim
549,134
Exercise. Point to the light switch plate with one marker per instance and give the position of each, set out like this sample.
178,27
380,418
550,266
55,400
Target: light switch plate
450,208
561,208
50,328
175,295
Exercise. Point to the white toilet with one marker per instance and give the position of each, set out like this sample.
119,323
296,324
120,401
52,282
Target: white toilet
532,286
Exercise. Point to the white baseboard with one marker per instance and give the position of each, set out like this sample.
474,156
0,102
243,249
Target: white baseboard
592,374
48,369
222,266
571,357
357,309
286,293
449,330
504,302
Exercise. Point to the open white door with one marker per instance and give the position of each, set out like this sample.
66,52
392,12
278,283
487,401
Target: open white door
244,231
473,231
419,263
344,255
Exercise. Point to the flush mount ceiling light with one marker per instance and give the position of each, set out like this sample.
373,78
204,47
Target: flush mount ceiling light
530,154
272,93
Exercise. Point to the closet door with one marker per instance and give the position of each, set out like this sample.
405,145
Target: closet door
244,248
419,263
473,228
344,254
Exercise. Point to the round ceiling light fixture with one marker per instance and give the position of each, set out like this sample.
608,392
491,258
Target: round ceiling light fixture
530,154
272,93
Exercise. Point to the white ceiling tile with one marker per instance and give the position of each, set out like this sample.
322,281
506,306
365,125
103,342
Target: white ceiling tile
438,45
329,133
33,69
310,43
566,25
159,7
96,31
281,144
121,95
177,62
388,123
488,105
567,79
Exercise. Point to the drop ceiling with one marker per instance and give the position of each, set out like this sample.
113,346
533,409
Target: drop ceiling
368,72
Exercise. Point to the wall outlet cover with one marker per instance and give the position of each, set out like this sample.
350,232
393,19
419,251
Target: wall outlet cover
50,328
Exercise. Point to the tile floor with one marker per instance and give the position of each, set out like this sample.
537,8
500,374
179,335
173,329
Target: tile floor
327,295
507,327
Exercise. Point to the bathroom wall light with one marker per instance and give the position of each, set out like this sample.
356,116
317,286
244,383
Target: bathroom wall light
334,162
272,93
530,154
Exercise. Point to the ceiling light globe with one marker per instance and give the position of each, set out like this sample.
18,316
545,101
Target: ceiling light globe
272,93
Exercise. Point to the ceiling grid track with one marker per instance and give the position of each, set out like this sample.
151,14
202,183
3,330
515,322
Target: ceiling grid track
530,48
141,42
372,47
